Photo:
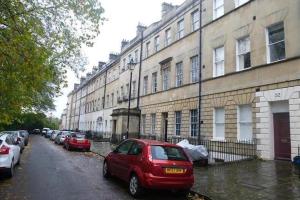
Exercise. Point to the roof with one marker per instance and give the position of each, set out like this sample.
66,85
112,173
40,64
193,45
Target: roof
154,142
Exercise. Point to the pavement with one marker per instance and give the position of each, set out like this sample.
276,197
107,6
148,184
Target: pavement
49,172
245,180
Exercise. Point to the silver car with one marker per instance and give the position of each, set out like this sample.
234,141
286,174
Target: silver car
25,135
54,134
60,138
18,135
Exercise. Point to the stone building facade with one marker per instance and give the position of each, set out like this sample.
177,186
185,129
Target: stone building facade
250,66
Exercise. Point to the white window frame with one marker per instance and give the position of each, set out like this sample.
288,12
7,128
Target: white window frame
147,50
215,123
136,55
145,86
240,2
238,54
194,69
178,122
156,43
194,123
165,78
180,30
214,62
154,82
268,44
168,37
246,122
195,24
216,8
124,64
179,74
143,127
153,123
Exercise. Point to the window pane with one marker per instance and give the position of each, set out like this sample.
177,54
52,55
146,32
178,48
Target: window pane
220,130
276,33
245,131
124,147
220,115
277,51
245,113
218,3
167,153
177,122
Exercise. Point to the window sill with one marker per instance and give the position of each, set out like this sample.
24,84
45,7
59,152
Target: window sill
218,140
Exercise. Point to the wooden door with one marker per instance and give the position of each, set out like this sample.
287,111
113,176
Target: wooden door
282,140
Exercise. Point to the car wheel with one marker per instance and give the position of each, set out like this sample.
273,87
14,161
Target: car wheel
135,188
105,170
184,192
11,169
87,150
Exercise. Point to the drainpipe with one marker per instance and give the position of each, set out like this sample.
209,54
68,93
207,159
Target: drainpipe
105,80
200,72
139,83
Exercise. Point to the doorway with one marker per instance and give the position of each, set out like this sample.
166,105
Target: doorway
282,140
165,126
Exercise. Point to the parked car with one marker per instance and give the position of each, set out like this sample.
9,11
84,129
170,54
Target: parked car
54,134
150,164
36,131
25,135
19,138
48,133
77,141
9,153
60,138
44,131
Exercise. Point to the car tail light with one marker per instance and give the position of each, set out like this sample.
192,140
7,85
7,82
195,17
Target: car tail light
149,155
4,150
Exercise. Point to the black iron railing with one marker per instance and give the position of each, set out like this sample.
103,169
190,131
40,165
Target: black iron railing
222,151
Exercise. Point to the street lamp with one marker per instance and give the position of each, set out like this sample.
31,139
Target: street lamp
131,64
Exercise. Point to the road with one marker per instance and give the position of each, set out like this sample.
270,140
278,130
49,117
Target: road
49,172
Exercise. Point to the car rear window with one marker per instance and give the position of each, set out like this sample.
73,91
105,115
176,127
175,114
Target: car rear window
79,135
167,153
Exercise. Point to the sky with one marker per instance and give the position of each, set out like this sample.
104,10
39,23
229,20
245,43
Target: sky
122,18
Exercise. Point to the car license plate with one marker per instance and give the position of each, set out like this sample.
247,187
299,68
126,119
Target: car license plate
79,141
174,170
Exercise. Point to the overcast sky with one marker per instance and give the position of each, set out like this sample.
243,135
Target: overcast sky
122,19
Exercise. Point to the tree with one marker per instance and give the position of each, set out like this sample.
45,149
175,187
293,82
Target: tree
31,121
39,40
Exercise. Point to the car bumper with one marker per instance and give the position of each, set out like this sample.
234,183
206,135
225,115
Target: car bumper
5,162
80,146
157,182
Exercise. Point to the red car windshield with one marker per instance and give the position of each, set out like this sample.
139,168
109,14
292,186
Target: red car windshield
167,153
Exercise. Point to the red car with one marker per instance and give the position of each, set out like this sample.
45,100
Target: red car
150,164
77,141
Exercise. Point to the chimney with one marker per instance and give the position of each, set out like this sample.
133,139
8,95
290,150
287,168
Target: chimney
94,70
166,8
101,65
88,75
113,56
76,85
123,44
139,29
82,79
